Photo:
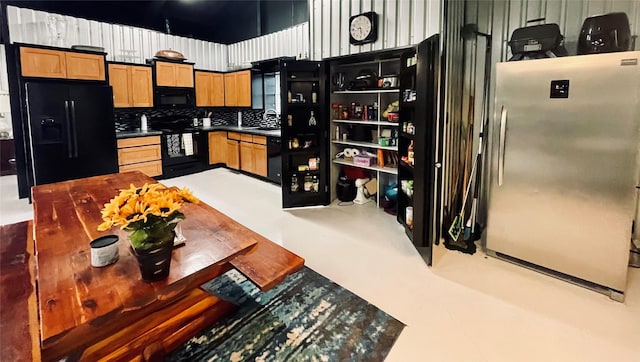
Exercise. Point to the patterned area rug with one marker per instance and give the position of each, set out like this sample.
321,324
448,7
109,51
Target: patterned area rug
305,318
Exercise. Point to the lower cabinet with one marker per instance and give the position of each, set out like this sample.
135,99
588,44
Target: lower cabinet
217,147
239,151
233,150
140,154
253,154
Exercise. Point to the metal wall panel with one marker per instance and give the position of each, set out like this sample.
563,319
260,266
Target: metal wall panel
289,42
121,43
401,23
501,17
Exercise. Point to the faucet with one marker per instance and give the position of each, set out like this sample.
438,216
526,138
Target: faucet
273,112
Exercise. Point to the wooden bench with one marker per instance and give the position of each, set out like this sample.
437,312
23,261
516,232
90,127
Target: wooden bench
19,331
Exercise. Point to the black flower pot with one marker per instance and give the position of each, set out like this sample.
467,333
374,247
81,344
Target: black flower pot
155,262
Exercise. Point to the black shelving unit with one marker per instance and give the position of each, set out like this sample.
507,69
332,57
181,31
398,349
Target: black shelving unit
419,98
304,141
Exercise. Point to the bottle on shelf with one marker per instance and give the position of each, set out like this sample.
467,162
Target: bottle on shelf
312,120
314,94
289,95
410,154
294,183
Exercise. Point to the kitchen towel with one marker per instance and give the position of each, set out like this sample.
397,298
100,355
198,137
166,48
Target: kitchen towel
173,145
187,144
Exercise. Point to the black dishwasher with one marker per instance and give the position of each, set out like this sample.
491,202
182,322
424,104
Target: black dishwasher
274,159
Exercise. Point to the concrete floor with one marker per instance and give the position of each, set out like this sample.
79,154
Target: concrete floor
464,308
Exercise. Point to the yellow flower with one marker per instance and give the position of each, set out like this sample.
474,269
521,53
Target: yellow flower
132,207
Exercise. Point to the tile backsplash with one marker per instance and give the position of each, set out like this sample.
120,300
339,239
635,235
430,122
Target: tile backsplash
128,119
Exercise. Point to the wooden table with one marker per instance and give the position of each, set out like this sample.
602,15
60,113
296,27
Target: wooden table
90,313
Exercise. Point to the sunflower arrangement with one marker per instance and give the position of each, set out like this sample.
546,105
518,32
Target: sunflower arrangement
150,213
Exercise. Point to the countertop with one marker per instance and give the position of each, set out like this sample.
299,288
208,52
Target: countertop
250,130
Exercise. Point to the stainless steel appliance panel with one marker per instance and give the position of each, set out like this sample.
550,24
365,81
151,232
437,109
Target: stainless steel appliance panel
564,170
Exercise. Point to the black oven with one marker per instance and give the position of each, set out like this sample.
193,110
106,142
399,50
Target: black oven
174,97
182,152
184,148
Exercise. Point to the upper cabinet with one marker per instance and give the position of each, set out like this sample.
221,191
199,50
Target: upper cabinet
174,74
50,63
132,86
209,89
237,89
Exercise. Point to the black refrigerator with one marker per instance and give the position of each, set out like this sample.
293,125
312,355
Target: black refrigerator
71,131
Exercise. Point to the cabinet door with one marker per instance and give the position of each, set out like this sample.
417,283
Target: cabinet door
230,90
141,87
119,79
165,74
184,75
217,147
43,63
203,89
243,88
85,66
246,156
217,90
233,154
260,160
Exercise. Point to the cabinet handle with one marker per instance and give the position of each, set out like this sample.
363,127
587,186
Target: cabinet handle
501,149
68,127
75,129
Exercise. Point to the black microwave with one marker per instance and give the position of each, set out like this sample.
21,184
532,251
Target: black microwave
174,97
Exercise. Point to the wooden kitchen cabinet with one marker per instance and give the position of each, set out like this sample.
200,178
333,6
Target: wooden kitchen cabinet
209,89
233,154
217,147
132,86
174,74
237,89
253,154
141,154
85,66
50,63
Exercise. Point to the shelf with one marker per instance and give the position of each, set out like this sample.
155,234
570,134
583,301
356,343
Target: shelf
305,104
302,150
372,123
303,79
390,170
368,91
365,144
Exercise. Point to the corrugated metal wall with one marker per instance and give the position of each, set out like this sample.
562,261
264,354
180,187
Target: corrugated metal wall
293,41
501,17
401,23
122,43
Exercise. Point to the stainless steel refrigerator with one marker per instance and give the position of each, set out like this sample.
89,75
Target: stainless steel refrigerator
71,131
564,165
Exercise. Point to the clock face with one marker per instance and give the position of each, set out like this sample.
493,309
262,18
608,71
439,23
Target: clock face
360,27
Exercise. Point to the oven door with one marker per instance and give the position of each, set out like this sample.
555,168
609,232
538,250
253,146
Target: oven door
181,153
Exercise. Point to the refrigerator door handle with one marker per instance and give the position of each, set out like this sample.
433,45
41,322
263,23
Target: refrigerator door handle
501,147
75,129
69,130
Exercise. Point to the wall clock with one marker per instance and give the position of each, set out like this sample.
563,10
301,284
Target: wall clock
363,28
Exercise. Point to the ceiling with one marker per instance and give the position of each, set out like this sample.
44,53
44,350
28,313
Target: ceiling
220,21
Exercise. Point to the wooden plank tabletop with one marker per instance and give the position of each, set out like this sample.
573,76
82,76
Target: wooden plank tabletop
78,303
